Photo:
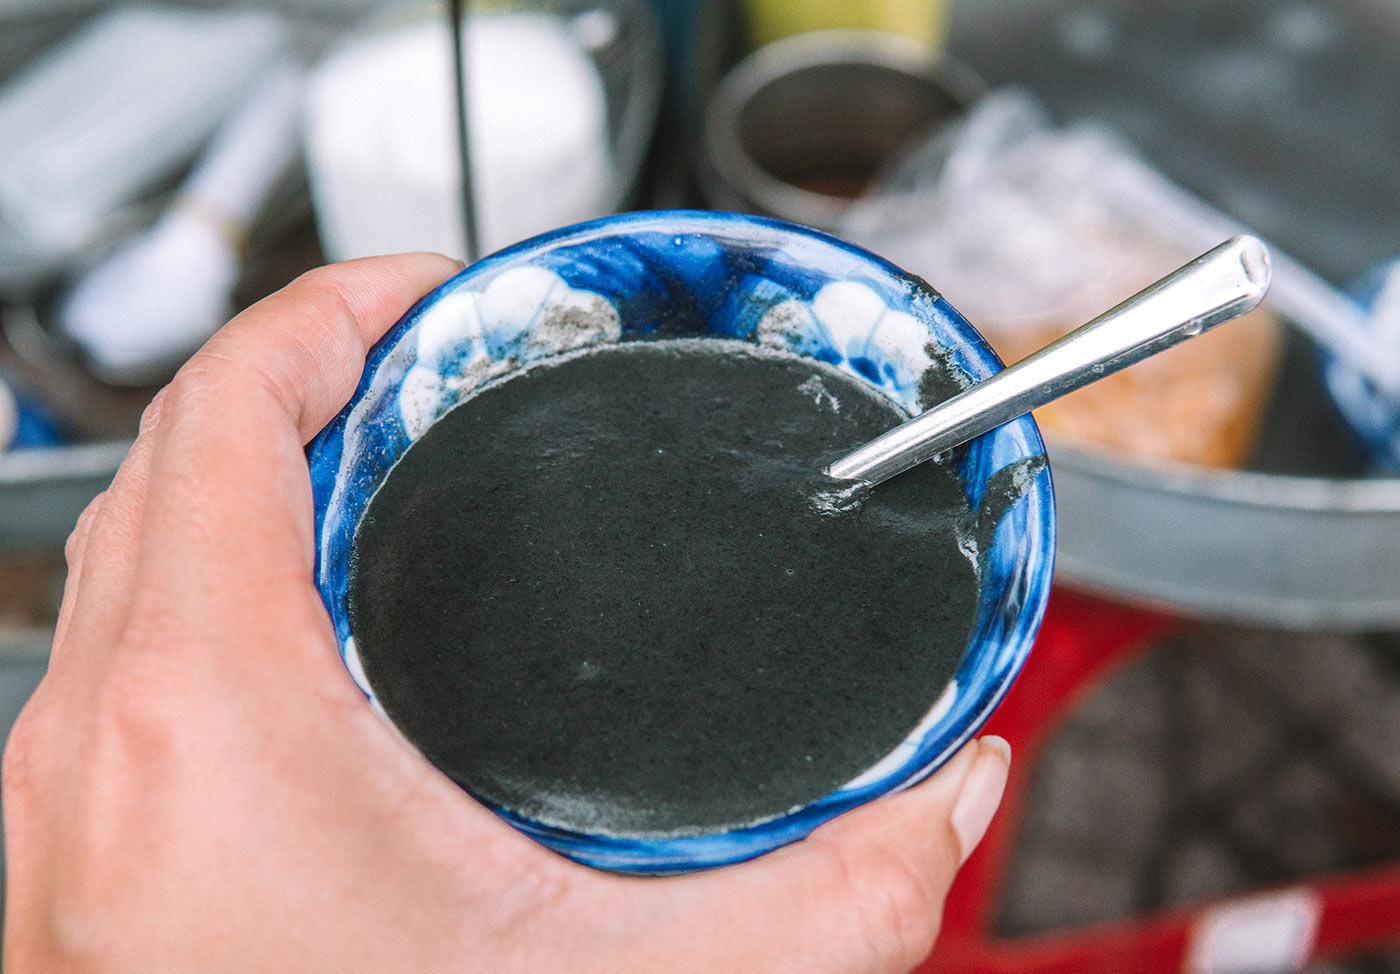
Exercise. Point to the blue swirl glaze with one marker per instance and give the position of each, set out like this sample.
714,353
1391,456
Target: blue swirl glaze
699,273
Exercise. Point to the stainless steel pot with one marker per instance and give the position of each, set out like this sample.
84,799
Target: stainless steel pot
799,127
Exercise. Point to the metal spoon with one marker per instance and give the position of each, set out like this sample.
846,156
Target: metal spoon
1219,285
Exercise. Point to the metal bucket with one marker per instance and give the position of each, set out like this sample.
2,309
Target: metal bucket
798,128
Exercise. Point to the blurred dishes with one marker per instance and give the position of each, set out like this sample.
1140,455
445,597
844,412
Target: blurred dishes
1069,211
102,119
141,311
1305,552
9,416
799,128
42,492
381,143
1030,230
771,20
1373,412
25,421
1284,116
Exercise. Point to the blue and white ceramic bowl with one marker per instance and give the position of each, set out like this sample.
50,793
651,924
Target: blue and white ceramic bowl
686,273
1371,412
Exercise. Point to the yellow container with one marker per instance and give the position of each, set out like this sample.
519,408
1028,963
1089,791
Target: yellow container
769,20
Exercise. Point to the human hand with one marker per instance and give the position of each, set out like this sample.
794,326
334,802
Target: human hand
197,784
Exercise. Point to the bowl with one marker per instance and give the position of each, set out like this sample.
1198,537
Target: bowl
691,273
1374,415
800,127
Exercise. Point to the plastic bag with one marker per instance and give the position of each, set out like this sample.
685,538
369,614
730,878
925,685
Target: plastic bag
1030,231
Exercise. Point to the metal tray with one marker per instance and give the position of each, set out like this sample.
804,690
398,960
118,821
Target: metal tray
1294,552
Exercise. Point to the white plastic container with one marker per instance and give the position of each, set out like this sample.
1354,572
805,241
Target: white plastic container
381,140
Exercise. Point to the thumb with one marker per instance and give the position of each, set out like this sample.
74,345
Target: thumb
865,892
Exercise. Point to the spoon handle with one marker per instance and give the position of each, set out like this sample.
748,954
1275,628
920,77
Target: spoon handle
1219,285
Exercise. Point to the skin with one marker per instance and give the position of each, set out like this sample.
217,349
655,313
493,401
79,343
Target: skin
198,785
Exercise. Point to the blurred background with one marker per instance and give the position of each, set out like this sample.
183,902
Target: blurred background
1208,732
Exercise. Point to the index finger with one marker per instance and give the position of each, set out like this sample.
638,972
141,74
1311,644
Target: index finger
227,523
305,345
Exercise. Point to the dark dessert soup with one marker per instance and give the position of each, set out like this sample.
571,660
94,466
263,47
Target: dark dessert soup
606,593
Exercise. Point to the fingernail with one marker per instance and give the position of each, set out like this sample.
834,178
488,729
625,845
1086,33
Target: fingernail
981,793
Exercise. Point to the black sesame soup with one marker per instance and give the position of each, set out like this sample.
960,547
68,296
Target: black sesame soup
611,593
